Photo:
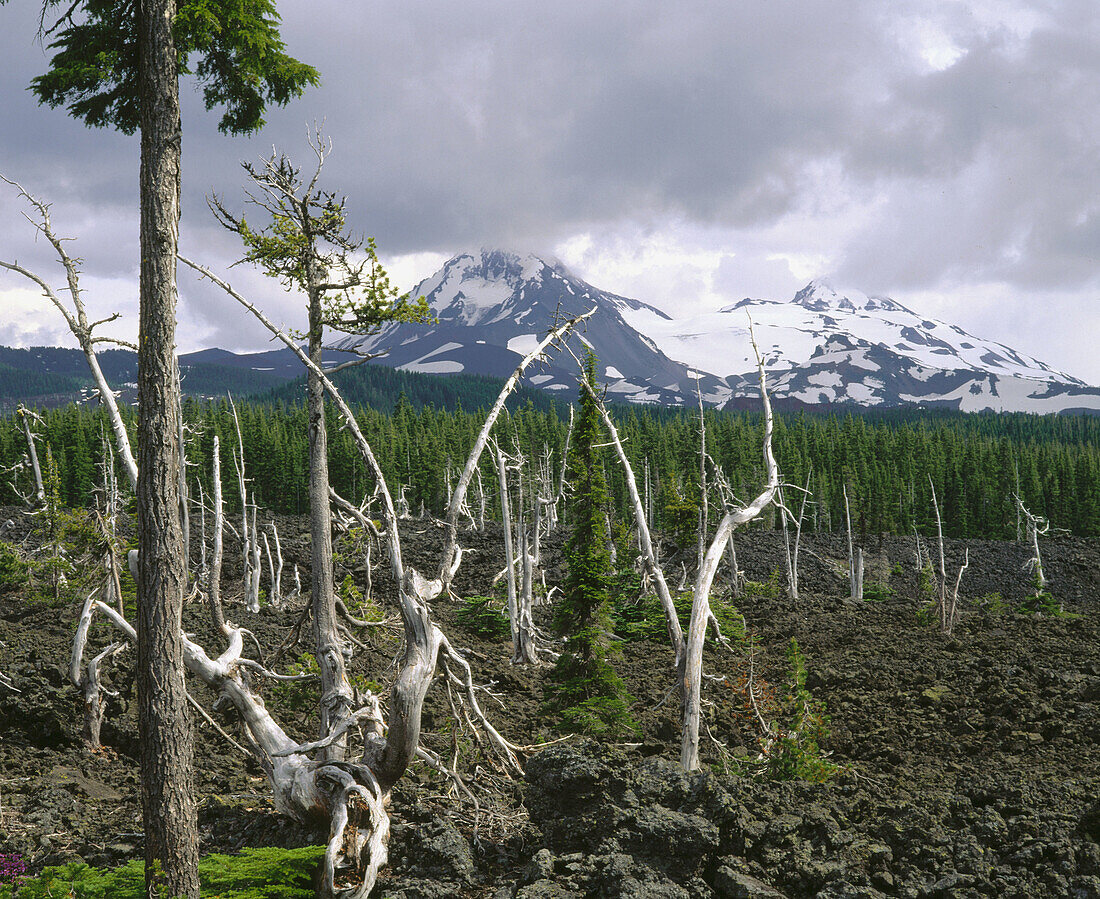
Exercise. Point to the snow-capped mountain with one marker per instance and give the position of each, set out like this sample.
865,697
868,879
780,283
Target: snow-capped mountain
824,346
831,346
493,307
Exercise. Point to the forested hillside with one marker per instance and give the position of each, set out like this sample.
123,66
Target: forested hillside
52,376
381,387
977,462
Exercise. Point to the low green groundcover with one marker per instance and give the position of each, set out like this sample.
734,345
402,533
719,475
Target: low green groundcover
253,874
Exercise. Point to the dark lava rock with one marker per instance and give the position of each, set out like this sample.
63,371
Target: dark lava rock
657,832
731,884
970,766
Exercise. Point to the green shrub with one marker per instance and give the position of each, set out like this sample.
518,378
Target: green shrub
873,591
926,594
796,753
13,570
926,584
352,596
1040,601
992,603
644,619
769,589
588,697
479,616
300,694
253,874
639,619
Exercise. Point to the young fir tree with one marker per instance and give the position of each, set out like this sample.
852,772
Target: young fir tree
583,689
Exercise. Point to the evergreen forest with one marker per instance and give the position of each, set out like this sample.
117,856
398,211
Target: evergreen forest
422,429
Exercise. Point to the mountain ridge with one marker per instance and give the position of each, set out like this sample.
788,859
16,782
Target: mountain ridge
825,347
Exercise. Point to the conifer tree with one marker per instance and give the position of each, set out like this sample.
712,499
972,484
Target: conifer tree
118,64
583,689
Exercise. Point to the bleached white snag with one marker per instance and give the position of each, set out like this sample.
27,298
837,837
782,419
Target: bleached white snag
791,552
689,651
25,415
701,614
250,547
947,605
76,318
214,576
352,795
275,565
1036,526
855,558
459,495
85,677
509,554
520,601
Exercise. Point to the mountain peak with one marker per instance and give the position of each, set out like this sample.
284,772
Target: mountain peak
821,295
825,345
494,264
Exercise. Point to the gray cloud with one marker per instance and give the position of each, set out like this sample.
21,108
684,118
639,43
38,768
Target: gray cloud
924,145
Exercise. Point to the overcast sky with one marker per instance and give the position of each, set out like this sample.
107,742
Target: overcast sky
687,154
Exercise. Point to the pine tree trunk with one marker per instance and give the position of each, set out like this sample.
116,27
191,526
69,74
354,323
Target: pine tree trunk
164,726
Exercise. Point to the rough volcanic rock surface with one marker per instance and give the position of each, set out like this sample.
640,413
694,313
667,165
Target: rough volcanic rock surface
971,764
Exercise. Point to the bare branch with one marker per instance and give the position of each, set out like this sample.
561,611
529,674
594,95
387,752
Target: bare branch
459,495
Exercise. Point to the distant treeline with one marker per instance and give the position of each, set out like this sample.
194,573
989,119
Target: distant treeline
977,462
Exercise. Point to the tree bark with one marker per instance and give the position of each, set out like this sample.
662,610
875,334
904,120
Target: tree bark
336,695
164,724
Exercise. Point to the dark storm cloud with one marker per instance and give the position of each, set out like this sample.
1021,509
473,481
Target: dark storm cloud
539,118
952,141
993,164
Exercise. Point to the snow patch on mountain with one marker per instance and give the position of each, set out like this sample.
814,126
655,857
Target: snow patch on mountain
794,330
826,345
523,343
442,367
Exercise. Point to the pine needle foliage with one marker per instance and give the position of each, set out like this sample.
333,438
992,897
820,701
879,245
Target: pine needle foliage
232,47
583,690
481,615
796,753
307,244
